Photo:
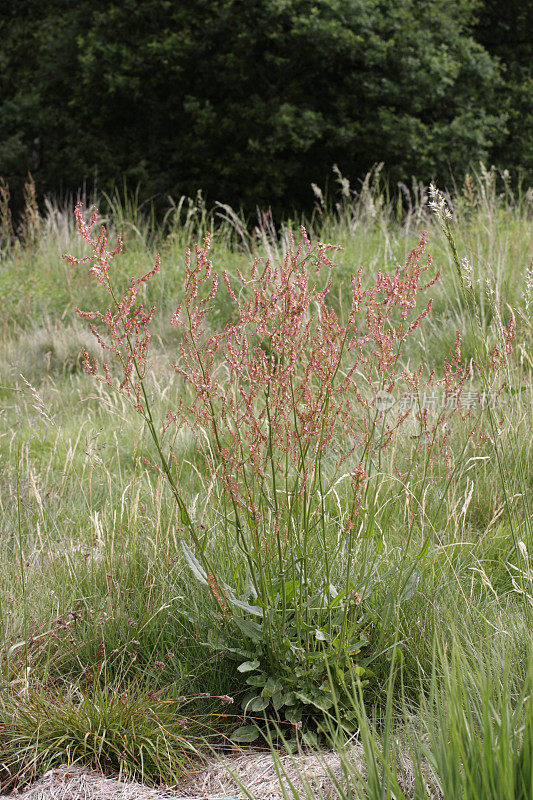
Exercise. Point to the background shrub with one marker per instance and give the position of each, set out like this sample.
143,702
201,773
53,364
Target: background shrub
252,100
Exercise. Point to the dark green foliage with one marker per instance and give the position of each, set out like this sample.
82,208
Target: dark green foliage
299,673
505,31
250,100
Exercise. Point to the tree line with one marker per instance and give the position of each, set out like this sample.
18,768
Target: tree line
252,100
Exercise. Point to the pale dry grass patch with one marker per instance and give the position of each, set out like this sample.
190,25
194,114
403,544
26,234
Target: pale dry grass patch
250,776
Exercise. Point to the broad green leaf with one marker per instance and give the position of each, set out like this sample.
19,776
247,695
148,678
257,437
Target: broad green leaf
277,700
259,704
193,564
272,685
248,666
257,611
257,680
248,697
237,651
293,714
288,699
250,629
322,703
247,733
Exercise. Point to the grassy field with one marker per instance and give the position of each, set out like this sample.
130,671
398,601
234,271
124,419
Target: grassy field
114,655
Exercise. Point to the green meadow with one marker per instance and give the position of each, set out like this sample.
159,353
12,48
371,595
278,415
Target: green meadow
154,610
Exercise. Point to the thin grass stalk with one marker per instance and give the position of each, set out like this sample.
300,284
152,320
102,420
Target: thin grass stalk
444,216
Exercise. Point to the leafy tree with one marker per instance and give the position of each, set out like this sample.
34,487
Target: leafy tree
505,31
250,100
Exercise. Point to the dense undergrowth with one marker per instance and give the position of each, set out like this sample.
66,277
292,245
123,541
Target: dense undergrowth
114,654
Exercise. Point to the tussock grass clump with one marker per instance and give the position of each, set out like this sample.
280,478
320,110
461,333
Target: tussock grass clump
128,732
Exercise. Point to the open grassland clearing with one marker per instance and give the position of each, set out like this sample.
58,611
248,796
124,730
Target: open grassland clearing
148,614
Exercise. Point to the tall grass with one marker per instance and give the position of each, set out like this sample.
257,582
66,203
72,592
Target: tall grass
100,621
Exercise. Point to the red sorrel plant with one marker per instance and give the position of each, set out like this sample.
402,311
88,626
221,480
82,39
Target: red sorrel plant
283,410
